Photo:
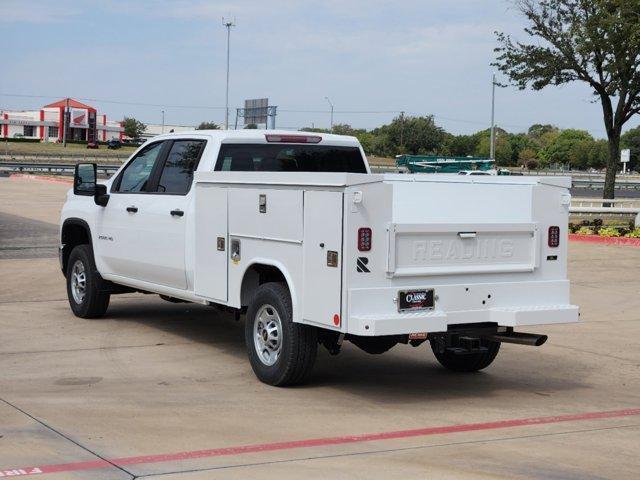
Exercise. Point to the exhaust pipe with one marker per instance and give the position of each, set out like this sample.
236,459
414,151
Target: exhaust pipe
531,339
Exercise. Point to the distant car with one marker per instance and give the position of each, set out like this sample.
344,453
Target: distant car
113,144
92,145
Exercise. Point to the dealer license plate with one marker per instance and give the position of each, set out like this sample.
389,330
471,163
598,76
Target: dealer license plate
411,300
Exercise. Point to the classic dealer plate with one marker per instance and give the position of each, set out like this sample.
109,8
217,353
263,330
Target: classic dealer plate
410,300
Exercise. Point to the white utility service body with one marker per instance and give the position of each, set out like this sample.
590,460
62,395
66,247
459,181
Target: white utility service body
269,223
478,242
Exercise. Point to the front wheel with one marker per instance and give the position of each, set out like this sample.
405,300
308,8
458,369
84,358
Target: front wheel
85,298
471,362
280,351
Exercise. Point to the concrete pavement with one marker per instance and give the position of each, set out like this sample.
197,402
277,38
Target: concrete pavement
156,379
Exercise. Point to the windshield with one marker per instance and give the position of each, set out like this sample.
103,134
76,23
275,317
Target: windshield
289,158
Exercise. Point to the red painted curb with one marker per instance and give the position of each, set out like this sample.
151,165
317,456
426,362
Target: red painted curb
634,242
314,442
42,178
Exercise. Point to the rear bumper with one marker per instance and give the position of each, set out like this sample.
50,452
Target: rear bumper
508,305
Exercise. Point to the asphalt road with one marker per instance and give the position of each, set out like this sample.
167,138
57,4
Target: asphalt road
165,390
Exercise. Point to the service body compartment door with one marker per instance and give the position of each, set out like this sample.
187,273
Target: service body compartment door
211,242
322,248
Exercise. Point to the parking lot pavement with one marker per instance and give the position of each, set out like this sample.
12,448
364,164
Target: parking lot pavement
157,388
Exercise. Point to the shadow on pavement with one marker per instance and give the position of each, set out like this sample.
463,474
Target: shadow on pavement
403,375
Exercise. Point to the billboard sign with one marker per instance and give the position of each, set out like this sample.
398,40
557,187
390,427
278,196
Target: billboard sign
79,117
256,110
625,155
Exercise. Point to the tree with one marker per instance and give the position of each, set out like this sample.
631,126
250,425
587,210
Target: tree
503,151
251,126
519,142
570,146
592,41
528,158
461,145
412,135
537,130
133,128
208,126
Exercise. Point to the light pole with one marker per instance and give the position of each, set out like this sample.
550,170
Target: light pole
228,25
492,140
162,121
65,127
331,105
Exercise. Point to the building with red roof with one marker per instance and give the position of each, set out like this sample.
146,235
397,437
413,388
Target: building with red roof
81,123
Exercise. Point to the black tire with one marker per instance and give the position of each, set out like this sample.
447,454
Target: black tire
298,343
94,303
467,363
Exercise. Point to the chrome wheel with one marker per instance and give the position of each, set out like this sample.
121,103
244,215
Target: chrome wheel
78,282
267,335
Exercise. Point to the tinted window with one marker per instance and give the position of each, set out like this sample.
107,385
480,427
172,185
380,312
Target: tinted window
135,176
290,158
182,160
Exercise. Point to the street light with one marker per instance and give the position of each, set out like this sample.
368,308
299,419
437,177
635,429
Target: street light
162,121
331,105
228,26
492,141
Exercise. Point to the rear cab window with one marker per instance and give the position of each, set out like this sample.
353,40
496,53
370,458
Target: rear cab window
271,157
177,172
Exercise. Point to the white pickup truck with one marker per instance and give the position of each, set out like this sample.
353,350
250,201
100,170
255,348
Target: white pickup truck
293,230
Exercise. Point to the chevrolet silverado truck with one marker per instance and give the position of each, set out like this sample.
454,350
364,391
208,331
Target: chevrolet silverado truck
293,231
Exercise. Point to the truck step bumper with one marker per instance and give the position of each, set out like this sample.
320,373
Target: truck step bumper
437,321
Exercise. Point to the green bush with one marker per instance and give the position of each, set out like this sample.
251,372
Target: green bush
635,233
585,231
609,232
20,140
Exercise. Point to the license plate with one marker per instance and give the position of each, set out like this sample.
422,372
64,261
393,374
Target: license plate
410,300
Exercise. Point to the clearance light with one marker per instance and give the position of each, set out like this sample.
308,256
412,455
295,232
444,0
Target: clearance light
364,239
554,236
293,138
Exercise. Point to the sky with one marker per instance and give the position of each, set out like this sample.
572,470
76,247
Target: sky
371,58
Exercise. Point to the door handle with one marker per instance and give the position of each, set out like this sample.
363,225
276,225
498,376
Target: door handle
132,209
177,213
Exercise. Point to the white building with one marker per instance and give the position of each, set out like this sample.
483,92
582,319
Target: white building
158,129
47,124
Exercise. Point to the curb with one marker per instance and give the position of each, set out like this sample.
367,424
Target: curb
633,242
41,178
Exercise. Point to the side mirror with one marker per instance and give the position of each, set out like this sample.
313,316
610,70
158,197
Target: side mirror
85,183
84,179
101,196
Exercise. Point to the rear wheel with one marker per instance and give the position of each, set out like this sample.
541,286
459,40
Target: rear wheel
280,351
85,298
471,362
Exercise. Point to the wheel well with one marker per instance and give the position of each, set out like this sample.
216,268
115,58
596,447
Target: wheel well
74,233
256,275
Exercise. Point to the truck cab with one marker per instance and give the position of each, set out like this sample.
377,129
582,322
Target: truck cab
293,231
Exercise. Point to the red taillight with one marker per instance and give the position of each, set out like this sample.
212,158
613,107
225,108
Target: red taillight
292,138
554,236
364,239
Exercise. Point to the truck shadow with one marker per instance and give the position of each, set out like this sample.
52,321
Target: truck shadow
403,375
406,374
